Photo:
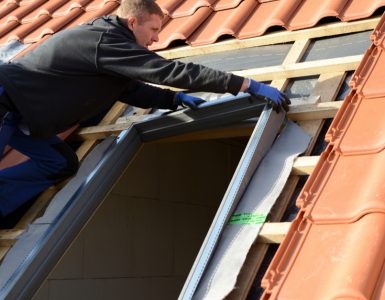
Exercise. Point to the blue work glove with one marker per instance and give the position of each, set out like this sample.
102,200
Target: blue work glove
189,101
272,95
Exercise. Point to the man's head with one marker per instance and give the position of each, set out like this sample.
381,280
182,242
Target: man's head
144,19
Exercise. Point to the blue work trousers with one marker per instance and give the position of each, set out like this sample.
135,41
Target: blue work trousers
50,161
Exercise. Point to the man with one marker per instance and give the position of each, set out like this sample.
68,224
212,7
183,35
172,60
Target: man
80,72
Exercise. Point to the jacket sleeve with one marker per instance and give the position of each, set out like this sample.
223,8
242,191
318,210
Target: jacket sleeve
144,95
120,56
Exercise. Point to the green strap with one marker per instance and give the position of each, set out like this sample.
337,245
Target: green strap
247,218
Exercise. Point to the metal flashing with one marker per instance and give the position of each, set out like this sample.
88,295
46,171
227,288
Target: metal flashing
259,144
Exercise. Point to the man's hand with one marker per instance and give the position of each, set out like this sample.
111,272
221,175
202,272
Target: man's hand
189,101
276,98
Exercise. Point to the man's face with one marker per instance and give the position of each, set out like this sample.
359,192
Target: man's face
146,29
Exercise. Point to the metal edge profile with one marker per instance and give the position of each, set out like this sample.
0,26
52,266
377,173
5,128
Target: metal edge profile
47,245
27,278
260,142
212,114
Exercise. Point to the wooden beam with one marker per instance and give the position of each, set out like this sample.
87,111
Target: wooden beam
273,233
283,36
331,65
8,236
304,165
315,111
115,112
297,112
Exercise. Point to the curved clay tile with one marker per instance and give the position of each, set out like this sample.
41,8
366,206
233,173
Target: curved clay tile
221,23
338,193
95,4
53,26
25,9
357,9
310,12
67,6
181,28
378,34
6,29
23,30
168,6
333,261
107,8
7,7
366,78
187,8
47,8
268,14
226,4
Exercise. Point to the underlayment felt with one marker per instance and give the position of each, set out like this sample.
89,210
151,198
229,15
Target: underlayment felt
238,236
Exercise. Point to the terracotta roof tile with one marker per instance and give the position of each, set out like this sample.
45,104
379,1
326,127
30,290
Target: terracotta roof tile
378,34
338,193
169,6
226,4
52,26
358,128
360,9
29,21
279,15
290,14
335,248
186,27
365,79
331,261
311,11
188,8
203,21
221,23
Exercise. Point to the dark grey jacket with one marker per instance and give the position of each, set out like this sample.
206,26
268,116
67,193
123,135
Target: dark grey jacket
79,72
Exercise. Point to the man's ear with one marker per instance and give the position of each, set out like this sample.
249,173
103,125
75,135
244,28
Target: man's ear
130,22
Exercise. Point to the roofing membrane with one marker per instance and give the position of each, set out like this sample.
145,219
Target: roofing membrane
336,246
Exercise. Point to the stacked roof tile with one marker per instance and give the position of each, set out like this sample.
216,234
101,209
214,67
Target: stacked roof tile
336,245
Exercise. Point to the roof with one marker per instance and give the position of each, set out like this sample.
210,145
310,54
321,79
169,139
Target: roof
356,223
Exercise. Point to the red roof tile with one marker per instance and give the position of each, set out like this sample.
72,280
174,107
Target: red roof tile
360,9
225,18
331,261
230,22
335,248
203,21
357,128
279,15
311,11
338,193
188,8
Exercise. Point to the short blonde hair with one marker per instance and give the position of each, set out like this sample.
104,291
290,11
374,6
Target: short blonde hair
138,9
